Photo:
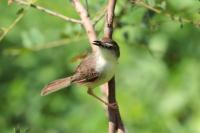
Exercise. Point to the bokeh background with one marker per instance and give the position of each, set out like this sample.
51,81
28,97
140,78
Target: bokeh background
158,77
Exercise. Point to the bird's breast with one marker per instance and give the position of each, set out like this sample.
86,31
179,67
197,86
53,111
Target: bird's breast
105,66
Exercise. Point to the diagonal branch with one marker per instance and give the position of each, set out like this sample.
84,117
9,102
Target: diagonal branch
86,22
99,15
48,11
10,27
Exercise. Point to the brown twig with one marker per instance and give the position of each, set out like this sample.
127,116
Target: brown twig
115,122
108,30
48,11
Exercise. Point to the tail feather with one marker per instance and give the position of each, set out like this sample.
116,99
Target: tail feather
56,85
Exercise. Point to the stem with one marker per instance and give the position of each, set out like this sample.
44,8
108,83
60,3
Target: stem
50,12
159,11
10,27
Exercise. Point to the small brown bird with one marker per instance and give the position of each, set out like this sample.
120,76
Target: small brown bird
94,70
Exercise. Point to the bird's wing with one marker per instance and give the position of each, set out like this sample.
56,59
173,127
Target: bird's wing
85,77
85,72
87,62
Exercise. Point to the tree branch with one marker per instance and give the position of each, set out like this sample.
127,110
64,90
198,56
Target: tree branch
159,11
50,12
115,122
86,22
108,30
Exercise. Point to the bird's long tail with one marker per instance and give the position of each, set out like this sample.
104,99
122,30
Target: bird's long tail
56,85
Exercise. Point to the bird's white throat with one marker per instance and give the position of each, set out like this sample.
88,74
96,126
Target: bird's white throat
106,63
105,58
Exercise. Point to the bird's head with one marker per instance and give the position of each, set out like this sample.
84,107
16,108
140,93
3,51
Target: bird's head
108,44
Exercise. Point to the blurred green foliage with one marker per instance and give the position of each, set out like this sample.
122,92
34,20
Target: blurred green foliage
158,78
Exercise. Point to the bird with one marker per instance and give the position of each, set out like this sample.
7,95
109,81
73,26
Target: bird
95,69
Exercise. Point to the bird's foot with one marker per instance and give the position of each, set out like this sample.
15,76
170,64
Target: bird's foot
110,105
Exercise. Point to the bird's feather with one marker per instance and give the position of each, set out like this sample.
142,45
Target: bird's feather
56,85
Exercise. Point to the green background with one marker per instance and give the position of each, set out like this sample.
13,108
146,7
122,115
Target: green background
158,76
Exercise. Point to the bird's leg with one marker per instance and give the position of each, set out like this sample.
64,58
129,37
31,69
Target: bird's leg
111,105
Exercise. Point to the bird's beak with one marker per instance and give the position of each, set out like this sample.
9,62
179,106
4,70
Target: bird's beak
98,43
